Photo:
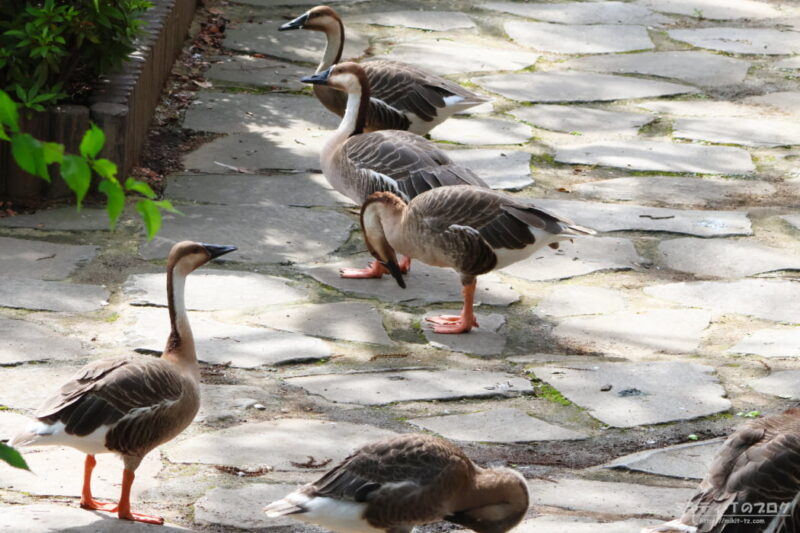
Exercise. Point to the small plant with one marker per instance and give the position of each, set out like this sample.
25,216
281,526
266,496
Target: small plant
12,457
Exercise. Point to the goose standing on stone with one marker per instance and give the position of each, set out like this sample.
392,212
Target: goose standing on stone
468,229
396,483
404,97
127,405
753,485
358,164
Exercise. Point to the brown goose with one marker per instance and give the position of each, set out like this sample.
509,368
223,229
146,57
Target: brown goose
404,97
413,479
753,485
468,229
127,405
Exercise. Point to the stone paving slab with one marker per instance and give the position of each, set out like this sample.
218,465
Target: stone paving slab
770,343
775,300
443,57
711,9
260,72
642,393
38,295
573,86
625,217
659,156
482,131
787,102
280,3
242,507
696,67
418,19
582,119
424,285
501,169
702,108
294,149
42,260
296,190
580,12
784,383
790,63
276,443
221,290
11,424
686,192
226,403
224,343
716,258
60,219
498,425
575,300
349,321
584,256
793,220
578,38
578,524
308,46
269,234
687,461
609,498
741,40
632,334
26,387
743,131
381,388
483,340
51,518
22,342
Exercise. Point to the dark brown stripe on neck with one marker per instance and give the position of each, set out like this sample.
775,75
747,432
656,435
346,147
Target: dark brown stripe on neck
174,340
341,42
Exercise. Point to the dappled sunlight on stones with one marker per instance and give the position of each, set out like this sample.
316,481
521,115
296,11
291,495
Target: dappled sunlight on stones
716,258
59,219
744,131
243,507
22,341
500,169
306,46
770,343
578,39
46,518
421,20
256,72
22,385
42,260
784,384
482,131
58,296
573,300
741,40
257,151
582,119
712,9
580,12
687,461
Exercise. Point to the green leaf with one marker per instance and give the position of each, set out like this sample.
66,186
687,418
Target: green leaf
53,153
77,174
29,155
12,457
166,205
693,437
115,199
8,112
151,217
92,142
107,169
140,187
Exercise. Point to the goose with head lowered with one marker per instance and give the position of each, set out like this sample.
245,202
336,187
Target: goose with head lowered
397,483
358,164
403,97
128,405
468,229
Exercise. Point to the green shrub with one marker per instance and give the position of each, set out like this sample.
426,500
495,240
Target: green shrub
52,50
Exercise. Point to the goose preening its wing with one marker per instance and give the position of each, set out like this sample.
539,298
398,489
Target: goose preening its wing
469,229
396,483
127,405
403,97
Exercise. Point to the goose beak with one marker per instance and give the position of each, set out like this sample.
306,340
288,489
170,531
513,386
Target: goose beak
296,24
394,269
216,250
320,78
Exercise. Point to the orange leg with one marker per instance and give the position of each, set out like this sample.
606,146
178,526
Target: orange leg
374,270
461,323
124,511
87,502
405,264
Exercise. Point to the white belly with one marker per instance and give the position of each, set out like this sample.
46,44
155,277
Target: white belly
54,435
336,515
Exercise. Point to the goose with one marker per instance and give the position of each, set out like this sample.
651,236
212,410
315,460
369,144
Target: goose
396,483
128,405
466,228
404,97
357,164
753,484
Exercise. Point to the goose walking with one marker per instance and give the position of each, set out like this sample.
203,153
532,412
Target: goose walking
127,405
358,164
396,483
753,485
468,229
404,97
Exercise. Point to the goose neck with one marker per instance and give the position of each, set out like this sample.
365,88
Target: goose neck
180,344
334,46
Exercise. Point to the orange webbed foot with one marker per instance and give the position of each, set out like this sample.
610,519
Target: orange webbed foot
374,270
138,517
451,324
405,264
94,505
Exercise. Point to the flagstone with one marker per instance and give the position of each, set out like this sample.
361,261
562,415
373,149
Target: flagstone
711,9
60,219
482,131
770,343
308,46
784,384
582,119
261,72
743,131
418,19
58,296
580,12
790,63
578,38
242,507
483,340
787,102
794,220
579,524
688,461
51,517
27,258
224,403
293,149
741,40
718,258
703,108
573,300
500,169
22,342
11,424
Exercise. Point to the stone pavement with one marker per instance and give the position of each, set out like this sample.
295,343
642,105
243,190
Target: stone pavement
605,371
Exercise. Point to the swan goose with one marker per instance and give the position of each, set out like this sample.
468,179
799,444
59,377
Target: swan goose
128,405
413,479
757,468
468,229
358,164
404,97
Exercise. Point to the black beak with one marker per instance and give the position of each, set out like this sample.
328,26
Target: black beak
320,78
216,250
394,270
296,24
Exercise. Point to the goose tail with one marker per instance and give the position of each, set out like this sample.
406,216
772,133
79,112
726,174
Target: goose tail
283,507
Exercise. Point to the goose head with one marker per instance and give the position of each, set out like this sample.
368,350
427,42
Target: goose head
320,18
502,502
378,209
348,77
186,256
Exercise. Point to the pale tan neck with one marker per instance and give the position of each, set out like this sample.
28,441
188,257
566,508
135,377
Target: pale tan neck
180,347
334,47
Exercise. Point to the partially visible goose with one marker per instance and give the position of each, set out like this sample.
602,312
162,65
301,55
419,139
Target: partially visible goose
755,474
358,164
126,405
396,483
468,229
404,97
